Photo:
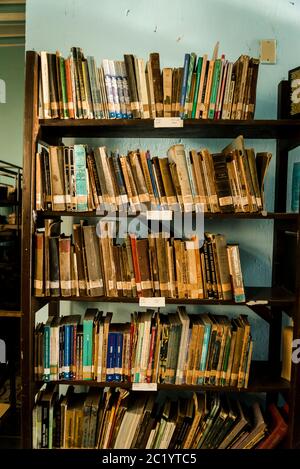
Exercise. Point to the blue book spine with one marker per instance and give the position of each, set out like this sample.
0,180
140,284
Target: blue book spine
118,356
184,84
61,352
81,177
46,347
71,351
67,352
204,351
296,187
110,365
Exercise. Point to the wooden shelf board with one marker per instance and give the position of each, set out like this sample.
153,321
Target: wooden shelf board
257,295
257,128
261,380
10,314
215,216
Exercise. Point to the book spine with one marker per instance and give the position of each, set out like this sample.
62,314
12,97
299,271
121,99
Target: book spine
110,358
87,349
118,356
109,89
81,178
115,91
184,84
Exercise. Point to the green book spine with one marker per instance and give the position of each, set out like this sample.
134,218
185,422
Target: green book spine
63,87
198,76
87,358
214,89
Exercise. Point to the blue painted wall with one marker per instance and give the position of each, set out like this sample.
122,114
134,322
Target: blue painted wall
11,113
110,29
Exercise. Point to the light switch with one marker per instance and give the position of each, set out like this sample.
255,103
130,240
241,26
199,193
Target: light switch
268,51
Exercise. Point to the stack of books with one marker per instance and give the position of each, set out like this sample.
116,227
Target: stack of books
78,178
177,348
75,87
119,419
97,264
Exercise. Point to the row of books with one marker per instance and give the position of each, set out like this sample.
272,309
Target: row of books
97,264
119,419
76,87
78,178
153,348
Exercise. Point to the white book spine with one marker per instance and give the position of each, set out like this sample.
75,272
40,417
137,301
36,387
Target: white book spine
109,89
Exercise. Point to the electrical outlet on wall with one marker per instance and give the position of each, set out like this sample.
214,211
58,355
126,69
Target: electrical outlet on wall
268,51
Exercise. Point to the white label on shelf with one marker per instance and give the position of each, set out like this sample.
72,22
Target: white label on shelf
264,213
144,386
257,302
150,302
59,199
168,122
159,214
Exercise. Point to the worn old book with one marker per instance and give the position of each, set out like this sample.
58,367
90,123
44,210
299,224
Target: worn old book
132,85
65,265
95,276
167,91
39,264
222,182
287,340
57,178
176,154
236,273
157,83
241,422
263,160
142,248
256,433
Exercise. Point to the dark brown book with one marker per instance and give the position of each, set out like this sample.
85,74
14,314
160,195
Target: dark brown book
78,241
95,276
222,182
157,83
132,85
142,248
250,110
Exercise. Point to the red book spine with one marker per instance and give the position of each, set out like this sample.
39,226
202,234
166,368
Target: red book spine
136,268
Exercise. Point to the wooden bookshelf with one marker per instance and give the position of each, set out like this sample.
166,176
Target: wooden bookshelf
263,378
192,128
10,314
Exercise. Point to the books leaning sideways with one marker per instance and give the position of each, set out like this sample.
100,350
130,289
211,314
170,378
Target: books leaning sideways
117,418
93,263
176,348
79,178
78,88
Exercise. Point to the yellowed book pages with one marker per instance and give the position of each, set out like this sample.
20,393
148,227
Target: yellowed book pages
287,340
167,89
145,106
57,178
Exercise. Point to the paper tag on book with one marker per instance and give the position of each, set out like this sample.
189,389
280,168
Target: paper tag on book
168,122
159,214
152,302
144,387
257,302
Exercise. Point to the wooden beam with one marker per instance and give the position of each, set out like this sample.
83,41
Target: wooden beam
12,16
12,2
16,44
12,30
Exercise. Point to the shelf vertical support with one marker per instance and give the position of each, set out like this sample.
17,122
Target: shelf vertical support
31,130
